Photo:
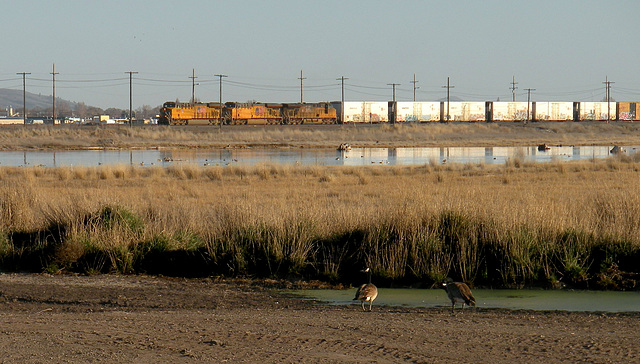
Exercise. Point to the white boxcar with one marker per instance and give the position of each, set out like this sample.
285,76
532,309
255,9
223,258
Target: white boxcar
511,111
597,110
366,112
554,111
421,112
464,111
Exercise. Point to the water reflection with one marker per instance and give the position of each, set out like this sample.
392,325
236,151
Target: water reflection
541,300
353,157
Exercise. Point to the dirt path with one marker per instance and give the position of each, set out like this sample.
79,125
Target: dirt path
69,319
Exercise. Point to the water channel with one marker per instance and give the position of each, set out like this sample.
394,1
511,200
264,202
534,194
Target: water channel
529,299
329,157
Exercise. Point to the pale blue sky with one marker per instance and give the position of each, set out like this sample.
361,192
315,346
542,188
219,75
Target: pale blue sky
563,49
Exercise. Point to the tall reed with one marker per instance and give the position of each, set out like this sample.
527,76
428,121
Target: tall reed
551,224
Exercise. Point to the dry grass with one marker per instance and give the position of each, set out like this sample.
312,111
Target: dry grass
429,134
511,225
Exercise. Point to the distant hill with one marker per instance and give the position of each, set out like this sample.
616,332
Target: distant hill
452,99
13,98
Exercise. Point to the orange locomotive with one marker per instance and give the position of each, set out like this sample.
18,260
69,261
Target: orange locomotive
318,113
176,113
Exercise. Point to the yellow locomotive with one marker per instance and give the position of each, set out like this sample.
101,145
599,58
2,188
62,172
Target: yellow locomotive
317,113
176,113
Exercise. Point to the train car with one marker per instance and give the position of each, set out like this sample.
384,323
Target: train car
252,113
176,113
552,111
626,111
597,111
463,111
511,111
418,112
366,112
309,113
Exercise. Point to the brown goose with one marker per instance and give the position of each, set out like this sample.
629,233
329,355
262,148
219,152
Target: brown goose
458,292
367,292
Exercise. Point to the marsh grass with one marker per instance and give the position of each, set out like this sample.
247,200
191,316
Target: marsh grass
549,224
426,134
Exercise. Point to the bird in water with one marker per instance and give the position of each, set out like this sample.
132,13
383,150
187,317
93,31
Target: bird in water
367,292
458,292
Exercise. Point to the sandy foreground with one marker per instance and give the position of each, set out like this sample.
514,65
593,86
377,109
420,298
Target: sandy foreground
144,319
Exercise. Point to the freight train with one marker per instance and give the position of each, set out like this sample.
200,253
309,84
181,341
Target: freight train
232,113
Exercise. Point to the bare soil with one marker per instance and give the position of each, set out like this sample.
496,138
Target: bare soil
143,319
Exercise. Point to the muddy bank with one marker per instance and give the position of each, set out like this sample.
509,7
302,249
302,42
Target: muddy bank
107,318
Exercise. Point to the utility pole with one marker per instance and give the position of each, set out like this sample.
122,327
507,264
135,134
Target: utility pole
342,105
301,78
53,75
448,87
529,101
220,76
514,88
131,96
193,85
414,87
24,95
394,89
608,96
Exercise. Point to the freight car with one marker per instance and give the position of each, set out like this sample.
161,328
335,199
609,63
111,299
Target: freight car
627,111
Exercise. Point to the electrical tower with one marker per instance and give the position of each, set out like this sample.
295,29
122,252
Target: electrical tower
394,89
529,101
220,76
131,96
53,108
414,87
448,87
342,105
24,95
301,78
608,96
193,85
513,88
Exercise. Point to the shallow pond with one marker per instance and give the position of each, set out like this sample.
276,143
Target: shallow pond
542,300
353,157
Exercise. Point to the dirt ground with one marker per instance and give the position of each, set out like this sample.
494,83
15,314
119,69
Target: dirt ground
144,319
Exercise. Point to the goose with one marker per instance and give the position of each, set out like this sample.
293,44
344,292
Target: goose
458,292
367,292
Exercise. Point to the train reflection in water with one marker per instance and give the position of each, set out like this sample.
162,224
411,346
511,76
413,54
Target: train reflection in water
352,157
